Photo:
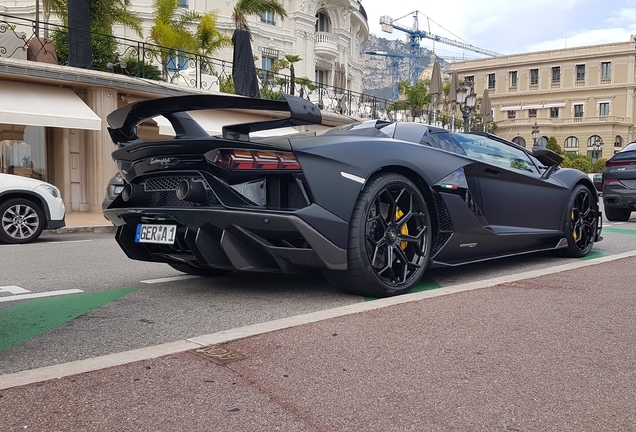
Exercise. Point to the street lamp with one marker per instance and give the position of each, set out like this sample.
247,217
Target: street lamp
466,98
598,148
535,134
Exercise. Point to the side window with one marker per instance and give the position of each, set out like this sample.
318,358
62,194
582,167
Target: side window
443,141
495,153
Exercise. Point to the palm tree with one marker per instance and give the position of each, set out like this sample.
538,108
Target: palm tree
292,73
245,8
207,37
171,29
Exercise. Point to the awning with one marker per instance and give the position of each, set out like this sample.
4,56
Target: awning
535,106
40,105
511,108
554,105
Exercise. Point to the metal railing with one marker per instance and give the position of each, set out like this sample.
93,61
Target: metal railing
20,37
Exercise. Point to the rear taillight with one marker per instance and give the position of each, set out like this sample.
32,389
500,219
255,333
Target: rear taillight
256,160
620,162
609,181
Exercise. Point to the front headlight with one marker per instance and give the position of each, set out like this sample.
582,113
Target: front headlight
51,189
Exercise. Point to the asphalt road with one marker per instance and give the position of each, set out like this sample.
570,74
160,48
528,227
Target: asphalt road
119,304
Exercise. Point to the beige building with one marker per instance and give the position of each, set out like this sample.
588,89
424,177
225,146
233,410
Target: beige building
576,95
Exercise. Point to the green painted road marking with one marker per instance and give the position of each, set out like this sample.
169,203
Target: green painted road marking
424,285
619,231
595,254
24,321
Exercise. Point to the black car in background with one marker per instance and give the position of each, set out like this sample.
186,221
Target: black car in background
619,184
372,204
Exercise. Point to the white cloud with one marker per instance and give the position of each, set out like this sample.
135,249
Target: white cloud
593,37
512,27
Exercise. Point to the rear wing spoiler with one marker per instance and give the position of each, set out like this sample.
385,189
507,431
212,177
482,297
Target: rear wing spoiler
122,123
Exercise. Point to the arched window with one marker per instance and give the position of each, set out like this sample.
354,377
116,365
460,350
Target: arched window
594,139
618,141
542,141
519,141
323,22
594,147
571,142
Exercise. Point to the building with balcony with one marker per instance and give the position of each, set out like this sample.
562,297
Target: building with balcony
329,36
52,116
578,95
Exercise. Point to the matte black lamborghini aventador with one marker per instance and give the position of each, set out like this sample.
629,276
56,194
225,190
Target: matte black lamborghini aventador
372,204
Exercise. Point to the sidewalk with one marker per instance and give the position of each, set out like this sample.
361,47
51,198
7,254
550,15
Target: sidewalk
85,222
531,353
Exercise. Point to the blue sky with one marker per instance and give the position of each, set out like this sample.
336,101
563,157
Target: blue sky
510,26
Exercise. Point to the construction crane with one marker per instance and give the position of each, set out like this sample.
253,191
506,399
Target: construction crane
395,69
415,35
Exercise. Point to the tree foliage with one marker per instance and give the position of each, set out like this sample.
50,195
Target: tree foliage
554,146
172,31
245,8
599,166
415,98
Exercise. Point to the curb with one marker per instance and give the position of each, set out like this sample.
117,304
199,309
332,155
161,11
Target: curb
99,229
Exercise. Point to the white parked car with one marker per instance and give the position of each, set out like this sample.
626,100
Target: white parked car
28,206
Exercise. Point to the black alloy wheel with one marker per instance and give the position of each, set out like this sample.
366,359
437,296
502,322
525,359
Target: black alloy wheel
21,221
389,239
581,222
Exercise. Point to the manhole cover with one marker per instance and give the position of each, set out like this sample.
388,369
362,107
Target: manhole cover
219,354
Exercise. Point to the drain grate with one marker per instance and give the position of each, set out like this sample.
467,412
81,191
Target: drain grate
219,354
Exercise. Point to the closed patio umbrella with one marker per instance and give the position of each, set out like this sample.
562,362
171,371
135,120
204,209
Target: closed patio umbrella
452,96
436,88
243,69
486,109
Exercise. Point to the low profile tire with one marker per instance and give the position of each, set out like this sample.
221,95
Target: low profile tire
580,222
389,239
199,271
616,214
21,221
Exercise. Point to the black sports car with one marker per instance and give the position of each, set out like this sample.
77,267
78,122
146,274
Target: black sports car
371,204
619,184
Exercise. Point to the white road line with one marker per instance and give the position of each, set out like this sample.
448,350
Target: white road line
14,289
38,295
48,242
224,336
169,279
68,241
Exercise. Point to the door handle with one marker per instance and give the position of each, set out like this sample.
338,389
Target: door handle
492,172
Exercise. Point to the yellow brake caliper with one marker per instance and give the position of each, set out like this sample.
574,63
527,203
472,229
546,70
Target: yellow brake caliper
573,232
404,230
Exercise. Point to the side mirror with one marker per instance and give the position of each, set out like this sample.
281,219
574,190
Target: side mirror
546,156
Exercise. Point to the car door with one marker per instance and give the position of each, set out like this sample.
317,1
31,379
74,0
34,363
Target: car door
516,199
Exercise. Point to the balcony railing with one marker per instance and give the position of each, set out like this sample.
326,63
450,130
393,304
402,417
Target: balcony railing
326,44
568,120
25,39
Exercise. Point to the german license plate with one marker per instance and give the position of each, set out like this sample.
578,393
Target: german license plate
163,234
